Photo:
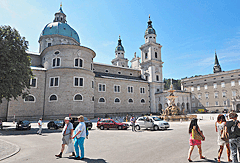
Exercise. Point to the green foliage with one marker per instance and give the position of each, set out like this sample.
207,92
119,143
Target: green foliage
176,84
15,71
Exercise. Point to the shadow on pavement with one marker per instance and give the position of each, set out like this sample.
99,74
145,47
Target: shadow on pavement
89,160
33,131
209,160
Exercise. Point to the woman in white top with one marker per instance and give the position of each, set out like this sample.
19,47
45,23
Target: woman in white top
219,125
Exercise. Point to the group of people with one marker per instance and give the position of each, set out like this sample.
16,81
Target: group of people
228,135
78,135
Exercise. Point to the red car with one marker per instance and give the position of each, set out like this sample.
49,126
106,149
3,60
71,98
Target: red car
109,123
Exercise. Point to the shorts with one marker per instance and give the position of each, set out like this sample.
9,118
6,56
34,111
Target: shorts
65,139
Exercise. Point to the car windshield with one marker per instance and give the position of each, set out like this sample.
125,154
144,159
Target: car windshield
58,121
85,119
25,122
117,121
157,119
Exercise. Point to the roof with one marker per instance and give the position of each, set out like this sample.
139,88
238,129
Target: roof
103,64
60,28
38,68
33,53
117,76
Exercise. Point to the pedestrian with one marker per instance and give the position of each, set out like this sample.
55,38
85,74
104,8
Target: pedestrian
79,137
194,128
220,125
67,133
234,135
133,120
39,126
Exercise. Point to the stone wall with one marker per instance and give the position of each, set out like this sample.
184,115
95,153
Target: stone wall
110,107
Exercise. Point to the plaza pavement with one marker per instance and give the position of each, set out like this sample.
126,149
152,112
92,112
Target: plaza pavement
116,146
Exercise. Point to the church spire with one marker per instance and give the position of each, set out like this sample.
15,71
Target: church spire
217,67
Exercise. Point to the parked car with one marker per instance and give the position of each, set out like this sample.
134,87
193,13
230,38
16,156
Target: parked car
20,125
1,124
151,122
109,123
74,121
55,124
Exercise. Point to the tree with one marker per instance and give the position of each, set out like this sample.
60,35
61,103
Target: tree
176,84
15,71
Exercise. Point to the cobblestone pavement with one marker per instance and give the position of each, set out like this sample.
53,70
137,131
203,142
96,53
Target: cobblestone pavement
7,149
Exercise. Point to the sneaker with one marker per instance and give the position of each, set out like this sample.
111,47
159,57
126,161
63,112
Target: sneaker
72,155
81,158
77,158
60,156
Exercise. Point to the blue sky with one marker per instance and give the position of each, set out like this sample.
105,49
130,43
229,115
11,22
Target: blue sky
189,31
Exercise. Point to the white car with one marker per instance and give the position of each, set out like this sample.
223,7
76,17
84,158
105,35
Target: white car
152,122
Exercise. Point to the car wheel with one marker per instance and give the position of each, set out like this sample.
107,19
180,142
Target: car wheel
119,127
56,127
101,127
138,127
48,127
155,128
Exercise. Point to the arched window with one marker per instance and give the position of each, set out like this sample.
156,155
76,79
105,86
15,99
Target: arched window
155,54
117,100
92,98
142,101
147,78
29,98
102,100
53,98
56,62
146,55
78,97
130,100
78,62
157,77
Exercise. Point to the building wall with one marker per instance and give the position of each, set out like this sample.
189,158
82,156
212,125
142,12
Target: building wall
110,107
29,109
198,97
36,60
3,109
65,92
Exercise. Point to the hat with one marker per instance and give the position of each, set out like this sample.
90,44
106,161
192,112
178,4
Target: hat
67,119
81,116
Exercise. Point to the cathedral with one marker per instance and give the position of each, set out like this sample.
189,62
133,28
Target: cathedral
67,81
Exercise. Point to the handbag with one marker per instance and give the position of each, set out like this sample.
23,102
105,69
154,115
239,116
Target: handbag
224,134
197,136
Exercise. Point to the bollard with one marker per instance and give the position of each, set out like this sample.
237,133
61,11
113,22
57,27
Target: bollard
210,117
180,120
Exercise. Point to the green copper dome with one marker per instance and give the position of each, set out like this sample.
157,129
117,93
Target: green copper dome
150,29
119,47
59,28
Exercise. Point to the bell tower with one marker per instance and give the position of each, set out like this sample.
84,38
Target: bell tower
151,64
119,59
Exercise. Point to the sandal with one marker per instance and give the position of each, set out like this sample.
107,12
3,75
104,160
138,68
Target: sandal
202,157
189,160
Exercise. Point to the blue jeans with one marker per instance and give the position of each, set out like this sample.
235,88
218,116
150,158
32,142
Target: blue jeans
234,146
79,142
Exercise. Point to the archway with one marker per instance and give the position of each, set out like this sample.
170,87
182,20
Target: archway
183,106
160,108
188,109
238,107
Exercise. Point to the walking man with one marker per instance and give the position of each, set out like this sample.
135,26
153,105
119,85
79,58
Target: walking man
67,136
40,126
234,135
133,120
79,137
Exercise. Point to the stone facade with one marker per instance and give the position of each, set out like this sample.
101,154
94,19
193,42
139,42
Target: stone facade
216,91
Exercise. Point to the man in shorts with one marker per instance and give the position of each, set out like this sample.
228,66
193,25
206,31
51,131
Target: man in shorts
40,126
67,136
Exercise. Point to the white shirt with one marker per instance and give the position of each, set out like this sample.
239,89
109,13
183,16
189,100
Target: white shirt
81,127
39,123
